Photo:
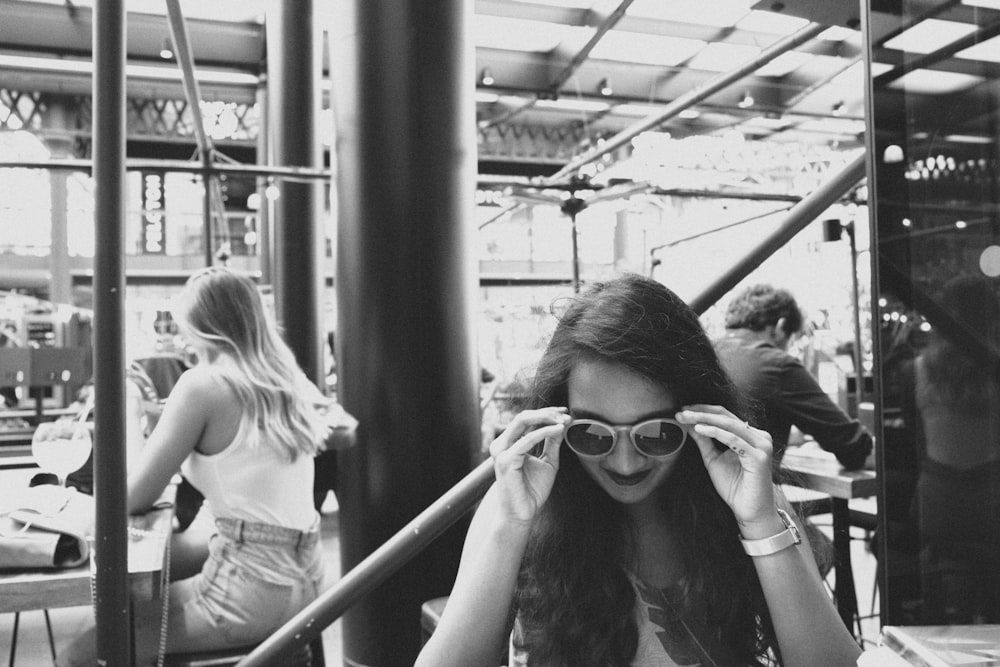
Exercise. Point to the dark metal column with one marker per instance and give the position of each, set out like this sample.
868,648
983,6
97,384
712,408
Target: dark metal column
113,631
293,64
403,80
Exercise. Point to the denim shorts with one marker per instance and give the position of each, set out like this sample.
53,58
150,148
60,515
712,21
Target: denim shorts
257,577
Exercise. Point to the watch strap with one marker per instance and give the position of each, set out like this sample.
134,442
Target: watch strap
769,545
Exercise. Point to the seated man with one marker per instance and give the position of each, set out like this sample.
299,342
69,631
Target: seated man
760,322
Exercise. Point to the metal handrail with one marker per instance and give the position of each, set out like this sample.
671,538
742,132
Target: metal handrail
374,569
421,531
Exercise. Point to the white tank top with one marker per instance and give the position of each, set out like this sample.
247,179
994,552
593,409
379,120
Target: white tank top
255,484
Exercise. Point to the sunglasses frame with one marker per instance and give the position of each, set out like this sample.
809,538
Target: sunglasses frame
630,429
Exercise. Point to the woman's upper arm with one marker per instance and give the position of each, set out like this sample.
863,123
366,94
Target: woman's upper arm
178,431
481,599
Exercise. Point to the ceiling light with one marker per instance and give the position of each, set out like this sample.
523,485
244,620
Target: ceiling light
272,191
166,49
605,88
893,154
689,114
639,110
486,77
572,105
746,102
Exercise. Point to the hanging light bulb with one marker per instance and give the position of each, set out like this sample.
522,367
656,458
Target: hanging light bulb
746,102
166,49
604,88
838,109
272,191
486,77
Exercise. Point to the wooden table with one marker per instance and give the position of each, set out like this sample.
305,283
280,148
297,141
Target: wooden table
50,589
818,470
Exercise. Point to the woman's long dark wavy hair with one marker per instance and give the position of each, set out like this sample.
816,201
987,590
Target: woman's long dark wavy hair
575,600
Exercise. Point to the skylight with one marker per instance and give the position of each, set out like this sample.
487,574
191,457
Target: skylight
522,35
770,22
785,63
933,82
723,14
930,35
650,49
722,57
988,51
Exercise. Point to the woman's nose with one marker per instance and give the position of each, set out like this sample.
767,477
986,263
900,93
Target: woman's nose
625,459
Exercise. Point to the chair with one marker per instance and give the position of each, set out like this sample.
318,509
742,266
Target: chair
430,615
13,637
308,656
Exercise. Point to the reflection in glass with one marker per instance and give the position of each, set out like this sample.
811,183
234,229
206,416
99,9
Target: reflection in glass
934,153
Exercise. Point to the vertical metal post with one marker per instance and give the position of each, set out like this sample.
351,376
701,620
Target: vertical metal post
206,203
113,629
299,242
859,370
403,74
265,251
60,145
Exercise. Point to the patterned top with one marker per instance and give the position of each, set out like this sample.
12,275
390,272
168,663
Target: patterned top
665,640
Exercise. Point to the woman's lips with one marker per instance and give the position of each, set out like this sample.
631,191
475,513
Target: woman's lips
627,480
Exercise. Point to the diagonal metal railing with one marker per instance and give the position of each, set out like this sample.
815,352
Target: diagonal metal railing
449,508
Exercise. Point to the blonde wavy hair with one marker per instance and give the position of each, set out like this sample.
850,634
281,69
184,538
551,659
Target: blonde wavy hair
222,311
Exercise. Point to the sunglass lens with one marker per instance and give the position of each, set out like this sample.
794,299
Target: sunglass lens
659,437
590,439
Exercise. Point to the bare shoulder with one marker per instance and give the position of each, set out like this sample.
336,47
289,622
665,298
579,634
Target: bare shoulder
202,385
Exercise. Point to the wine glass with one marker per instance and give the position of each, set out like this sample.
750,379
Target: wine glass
61,447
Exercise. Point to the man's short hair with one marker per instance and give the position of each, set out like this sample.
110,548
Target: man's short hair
760,306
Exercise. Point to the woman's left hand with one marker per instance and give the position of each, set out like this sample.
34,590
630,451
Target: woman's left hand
741,473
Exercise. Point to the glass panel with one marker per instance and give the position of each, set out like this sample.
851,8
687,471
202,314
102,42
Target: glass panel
934,153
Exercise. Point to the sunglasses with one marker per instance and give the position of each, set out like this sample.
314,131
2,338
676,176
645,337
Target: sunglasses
656,438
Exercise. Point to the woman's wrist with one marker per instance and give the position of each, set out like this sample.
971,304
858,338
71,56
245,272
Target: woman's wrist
767,525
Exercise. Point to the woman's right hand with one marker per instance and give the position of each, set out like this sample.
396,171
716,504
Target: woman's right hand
523,480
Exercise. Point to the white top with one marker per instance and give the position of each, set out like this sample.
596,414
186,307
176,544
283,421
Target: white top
255,484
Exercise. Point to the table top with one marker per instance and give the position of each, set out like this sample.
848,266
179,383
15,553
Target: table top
816,469
945,645
70,587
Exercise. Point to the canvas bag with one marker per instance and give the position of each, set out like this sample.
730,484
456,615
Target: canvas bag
48,529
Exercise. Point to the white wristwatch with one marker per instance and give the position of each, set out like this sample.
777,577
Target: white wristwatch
771,545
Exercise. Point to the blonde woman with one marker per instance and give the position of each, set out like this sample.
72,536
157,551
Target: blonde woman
243,424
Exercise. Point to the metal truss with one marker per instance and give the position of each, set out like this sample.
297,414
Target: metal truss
146,118
524,142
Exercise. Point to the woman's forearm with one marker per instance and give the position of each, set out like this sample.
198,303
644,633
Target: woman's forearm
808,628
474,625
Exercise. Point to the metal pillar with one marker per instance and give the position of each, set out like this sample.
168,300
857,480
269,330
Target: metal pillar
60,145
265,249
403,75
294,62
113,628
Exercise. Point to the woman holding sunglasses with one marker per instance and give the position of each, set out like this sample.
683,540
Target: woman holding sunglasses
656,537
